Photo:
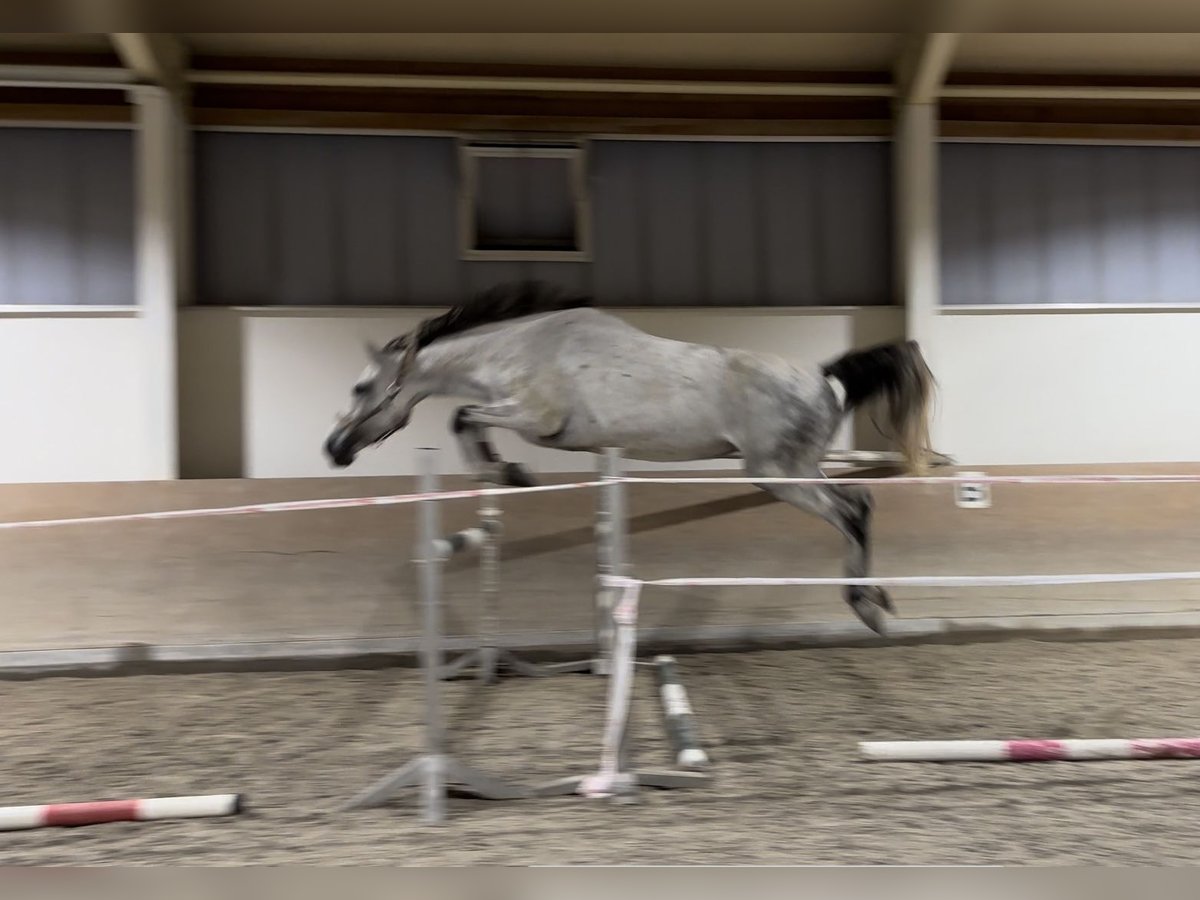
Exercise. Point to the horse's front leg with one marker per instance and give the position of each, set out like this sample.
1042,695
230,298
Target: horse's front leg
470,426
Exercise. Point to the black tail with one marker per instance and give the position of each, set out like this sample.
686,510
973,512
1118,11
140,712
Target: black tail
897,373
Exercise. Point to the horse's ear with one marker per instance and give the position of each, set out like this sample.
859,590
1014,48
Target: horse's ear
373,352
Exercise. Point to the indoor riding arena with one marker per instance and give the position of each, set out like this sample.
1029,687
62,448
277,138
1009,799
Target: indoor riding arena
600,448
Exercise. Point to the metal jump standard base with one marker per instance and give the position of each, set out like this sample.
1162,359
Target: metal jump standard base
435,772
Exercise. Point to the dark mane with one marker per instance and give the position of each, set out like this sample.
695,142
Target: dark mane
496,304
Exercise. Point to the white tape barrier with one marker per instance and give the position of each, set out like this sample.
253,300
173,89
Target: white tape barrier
912,580
401,499
928,479
295,506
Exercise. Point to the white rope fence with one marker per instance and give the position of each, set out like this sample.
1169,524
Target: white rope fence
402,499
925,479
295,506
911,580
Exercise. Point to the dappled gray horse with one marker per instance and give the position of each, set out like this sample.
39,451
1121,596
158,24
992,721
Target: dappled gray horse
563,375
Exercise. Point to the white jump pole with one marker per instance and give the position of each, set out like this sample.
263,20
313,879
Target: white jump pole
610,555
614,777
617,618
1068,750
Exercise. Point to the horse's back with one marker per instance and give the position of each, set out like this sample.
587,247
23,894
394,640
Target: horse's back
656,397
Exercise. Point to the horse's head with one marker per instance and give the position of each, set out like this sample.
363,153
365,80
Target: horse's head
380,403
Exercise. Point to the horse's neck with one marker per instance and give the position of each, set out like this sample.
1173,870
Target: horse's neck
451,366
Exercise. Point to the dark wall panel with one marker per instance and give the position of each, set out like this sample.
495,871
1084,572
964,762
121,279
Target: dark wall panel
791,231
684,223
237,243
311,269
363,220
1017,214
855,222
433,273
733,224
965,267
620,274
106,245
671,192
373,237
66,217
1045,224
1174,192
326,220
1072,250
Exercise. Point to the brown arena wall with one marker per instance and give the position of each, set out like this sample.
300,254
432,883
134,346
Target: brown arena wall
343,574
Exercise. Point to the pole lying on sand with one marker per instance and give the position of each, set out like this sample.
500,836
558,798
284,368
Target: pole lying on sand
1069,750
50,815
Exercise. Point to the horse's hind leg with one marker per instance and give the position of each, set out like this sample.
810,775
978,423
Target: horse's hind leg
479,453
848,509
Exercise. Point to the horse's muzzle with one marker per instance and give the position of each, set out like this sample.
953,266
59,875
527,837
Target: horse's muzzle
339,447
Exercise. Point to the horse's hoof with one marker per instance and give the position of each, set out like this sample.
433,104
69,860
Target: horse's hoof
871,615
880,598
516,475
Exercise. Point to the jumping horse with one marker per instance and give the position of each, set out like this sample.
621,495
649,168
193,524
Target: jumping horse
561,374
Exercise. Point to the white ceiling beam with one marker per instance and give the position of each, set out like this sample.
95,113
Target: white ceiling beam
923,65
153,57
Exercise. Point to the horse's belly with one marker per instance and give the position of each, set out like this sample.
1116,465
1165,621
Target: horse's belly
675,445
722,450
646,447
653,439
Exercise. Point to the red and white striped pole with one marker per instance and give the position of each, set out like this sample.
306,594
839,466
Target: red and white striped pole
1068,750
16,818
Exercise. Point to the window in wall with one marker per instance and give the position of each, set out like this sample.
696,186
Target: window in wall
524,201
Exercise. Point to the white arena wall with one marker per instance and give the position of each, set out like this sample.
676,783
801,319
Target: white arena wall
1058,387
73,399
259,388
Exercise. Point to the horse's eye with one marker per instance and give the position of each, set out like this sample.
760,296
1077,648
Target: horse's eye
360,389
